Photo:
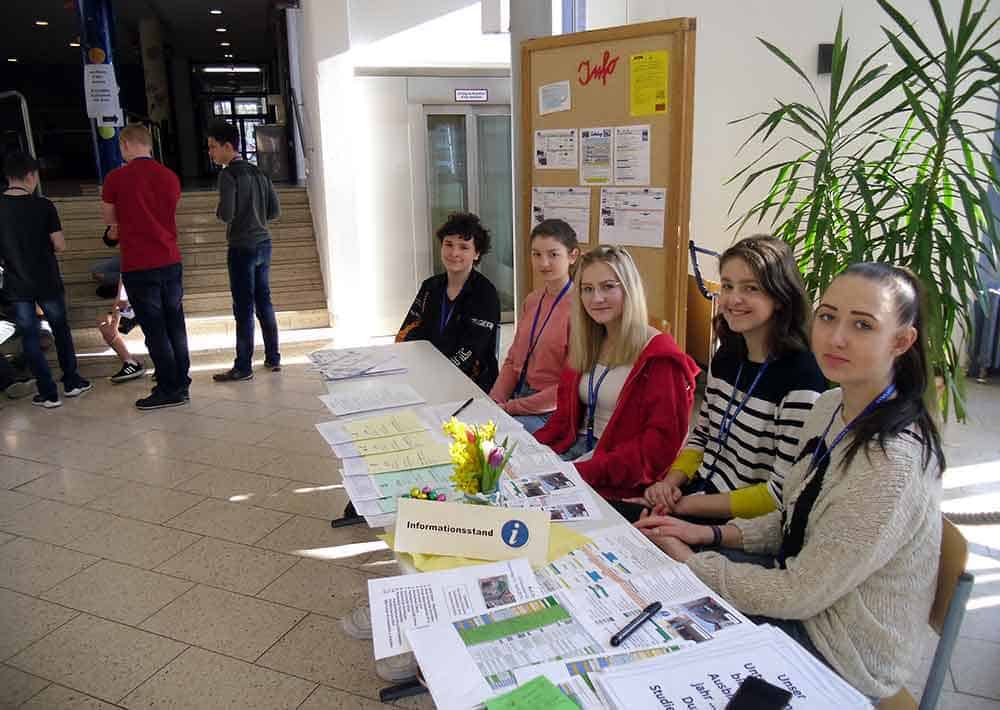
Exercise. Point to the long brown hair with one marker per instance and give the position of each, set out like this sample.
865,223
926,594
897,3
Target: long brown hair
774,267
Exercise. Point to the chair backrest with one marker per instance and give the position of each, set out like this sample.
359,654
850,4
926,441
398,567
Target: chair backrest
954,555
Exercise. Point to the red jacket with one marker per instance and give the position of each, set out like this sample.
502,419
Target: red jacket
646,430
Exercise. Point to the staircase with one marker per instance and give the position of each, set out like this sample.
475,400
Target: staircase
296,280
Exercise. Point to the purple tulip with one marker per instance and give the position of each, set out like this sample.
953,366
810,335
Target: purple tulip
495,457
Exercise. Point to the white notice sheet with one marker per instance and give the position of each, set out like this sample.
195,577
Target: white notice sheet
379,395
570,204
596,156
413,601
553,97
555,149
633,216
632,150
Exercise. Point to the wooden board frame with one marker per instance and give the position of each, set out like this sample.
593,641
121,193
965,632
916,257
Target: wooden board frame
664,271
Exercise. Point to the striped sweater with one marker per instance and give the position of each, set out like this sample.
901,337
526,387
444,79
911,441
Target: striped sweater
764,439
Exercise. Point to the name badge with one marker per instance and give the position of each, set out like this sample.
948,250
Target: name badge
479,532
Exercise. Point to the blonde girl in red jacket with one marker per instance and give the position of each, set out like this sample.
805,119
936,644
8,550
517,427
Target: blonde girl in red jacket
624,400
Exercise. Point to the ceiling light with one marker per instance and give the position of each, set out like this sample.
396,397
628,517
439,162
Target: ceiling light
223,44
74,44
11,59
215,12
220,29
230,70
42,23
228,56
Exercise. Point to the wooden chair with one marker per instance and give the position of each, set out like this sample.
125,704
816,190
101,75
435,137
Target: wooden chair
954,585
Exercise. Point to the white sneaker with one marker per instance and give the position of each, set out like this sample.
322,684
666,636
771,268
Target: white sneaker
358,623
396,669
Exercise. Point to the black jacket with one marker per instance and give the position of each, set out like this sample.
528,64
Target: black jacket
247,202
471,336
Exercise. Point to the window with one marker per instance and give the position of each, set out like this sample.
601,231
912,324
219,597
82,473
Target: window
251,106
222,108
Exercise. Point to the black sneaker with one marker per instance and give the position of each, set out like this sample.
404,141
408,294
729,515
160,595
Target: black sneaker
21,388
159,400
43,401
273,366
233,375
79,388
129,371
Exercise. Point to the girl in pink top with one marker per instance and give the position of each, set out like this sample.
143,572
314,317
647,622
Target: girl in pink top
526,387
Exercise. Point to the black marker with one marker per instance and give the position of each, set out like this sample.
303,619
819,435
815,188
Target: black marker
648,613
462,408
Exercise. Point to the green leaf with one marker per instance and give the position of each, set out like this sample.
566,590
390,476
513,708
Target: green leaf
791,63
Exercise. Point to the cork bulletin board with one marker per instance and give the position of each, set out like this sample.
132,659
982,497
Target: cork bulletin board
609,113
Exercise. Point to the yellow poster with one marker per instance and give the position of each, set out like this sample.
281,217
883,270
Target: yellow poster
648,83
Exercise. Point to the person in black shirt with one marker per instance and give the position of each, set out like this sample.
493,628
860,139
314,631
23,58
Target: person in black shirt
30,238
459,311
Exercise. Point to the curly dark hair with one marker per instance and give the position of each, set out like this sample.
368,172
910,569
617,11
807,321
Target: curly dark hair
466,226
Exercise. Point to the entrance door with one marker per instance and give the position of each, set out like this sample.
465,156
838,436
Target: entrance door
469,170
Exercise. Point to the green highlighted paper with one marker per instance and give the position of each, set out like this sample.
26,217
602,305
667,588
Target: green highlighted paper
550,614
538,693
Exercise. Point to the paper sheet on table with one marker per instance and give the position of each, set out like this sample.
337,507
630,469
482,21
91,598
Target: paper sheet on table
705,677
577,507
570,204
376,396
380,506
532,457
339,364
555,149
632,152
632,216
562,541
386,444
596,156
416,600
480,411
435,454
393,424
385,485
537,694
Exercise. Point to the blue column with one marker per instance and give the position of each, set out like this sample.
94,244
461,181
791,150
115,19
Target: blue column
97,28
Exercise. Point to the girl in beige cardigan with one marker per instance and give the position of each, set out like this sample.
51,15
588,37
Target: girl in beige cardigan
848,567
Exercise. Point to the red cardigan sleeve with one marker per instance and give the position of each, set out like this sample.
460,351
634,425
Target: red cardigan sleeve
663,414
559,431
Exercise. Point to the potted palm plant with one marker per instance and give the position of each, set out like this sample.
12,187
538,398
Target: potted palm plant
892,166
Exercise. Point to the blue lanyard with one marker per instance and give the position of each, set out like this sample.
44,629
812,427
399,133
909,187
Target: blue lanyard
447,310
818,458
592,402
532,340
726,424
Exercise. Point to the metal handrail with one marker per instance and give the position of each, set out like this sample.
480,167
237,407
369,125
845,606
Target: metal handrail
26,119
694,251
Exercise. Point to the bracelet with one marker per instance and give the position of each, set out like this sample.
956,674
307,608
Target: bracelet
716,535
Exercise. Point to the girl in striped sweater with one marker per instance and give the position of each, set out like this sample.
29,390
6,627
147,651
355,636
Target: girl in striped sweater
761,386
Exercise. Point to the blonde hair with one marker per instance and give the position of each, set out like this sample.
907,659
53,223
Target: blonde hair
586,335
136,134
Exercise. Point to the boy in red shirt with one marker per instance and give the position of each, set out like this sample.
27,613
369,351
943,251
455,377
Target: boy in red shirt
141,198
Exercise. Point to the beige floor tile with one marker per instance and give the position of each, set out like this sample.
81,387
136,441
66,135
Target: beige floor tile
100,658
157,470
230,521
313,537
55,522
232,485
13,501
117,592
31,445
58,697
222,621
17,686
302,467
150,503
14,472
326,698
974,666
72,486
135,543
243,457
4,537
319,650
239,411
299,442
202,679
94,458
297,419
236,431
24,620
317,501
319,586
162,443
33,567
235,567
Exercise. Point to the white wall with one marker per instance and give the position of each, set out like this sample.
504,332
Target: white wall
735,76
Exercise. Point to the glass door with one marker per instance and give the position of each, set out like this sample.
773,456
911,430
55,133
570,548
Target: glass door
469,166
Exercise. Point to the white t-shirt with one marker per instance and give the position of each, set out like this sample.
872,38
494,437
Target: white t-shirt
607,394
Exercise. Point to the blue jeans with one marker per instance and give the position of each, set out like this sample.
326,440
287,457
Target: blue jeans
249,275
156,296
578,449
531,422
28,324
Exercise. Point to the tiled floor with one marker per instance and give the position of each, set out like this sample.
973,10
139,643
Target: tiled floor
184,558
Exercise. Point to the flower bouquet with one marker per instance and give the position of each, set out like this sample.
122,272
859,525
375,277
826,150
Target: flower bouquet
477,459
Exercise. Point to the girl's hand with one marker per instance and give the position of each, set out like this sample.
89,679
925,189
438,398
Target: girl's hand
663,494
674,548
657,526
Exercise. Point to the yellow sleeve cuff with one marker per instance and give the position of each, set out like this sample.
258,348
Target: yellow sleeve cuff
689,461
752,501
